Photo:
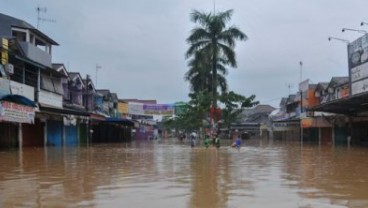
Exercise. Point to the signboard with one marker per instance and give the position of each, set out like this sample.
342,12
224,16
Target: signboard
50,99
150,109
359,86
135,108
358,64
319,122
286,126
123,108
14,112
22,89
158,109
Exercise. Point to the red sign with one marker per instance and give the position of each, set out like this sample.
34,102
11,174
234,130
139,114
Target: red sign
14,112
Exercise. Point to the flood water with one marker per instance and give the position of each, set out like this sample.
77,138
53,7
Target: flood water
169,174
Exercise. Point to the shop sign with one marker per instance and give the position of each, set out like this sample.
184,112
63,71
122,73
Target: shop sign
123,108
14,112
285,126
22,89
358,64
306,122
158,109
51,99
359,86
135,108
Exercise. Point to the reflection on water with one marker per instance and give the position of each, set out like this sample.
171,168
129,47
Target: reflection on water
151,174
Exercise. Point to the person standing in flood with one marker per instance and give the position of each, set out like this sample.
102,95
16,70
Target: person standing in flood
238,142
192,139
217,141
207,141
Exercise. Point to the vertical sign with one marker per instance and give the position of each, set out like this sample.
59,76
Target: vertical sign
358,65
4,51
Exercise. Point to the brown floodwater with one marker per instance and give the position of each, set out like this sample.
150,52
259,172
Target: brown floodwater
170,174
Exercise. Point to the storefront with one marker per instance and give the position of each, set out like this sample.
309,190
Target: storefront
15,110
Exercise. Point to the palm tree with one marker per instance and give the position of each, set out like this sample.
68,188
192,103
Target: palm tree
214,39
200,74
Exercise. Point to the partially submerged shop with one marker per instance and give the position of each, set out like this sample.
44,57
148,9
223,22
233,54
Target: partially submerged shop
15,110
286,129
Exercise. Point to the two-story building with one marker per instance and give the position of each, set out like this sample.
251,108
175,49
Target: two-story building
27,57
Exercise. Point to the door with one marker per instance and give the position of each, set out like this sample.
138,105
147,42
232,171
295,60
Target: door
54,133
71,135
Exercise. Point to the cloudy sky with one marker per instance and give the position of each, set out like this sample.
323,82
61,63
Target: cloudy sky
140,44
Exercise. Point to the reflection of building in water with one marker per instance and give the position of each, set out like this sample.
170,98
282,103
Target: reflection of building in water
328,174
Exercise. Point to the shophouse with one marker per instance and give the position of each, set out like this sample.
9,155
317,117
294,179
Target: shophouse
113,128
285,124
29,66
26,54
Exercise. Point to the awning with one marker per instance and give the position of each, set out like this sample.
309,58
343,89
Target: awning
19,99
97,117
123,121
348,106
65,111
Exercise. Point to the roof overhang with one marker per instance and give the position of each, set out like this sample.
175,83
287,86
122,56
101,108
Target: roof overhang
123,121
347,106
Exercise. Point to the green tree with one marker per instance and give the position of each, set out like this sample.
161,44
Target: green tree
196,112
215,40
199,74
234,104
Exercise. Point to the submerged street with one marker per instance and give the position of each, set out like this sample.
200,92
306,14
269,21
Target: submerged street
168,173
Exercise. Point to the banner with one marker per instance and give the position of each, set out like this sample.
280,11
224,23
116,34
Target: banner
158,109
14,112
135,109
150,109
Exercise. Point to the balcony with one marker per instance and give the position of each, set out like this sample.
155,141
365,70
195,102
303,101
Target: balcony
36,54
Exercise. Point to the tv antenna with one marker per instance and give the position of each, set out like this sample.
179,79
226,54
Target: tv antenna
39,18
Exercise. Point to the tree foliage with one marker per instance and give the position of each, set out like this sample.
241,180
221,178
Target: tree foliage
212,45
233,105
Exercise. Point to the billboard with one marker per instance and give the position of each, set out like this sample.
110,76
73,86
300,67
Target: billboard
150,109
358,64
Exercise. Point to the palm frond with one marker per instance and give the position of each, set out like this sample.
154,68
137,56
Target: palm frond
229,53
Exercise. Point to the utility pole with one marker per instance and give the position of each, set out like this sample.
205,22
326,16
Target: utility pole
97,68
214,6
301,102
301,71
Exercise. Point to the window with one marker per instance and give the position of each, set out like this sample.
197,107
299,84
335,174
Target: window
46,84
58,86
20,36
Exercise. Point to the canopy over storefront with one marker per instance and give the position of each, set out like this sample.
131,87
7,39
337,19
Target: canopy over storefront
19,99
123,121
